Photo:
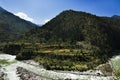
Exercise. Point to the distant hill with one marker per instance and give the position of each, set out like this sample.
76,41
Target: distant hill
74,26
116,16
12,27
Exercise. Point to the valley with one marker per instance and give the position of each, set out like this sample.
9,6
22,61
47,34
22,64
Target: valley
74,45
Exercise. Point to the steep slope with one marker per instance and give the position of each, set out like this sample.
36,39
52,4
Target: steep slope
12,27
72,26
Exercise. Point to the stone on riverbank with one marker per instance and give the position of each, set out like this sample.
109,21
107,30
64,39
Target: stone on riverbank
28,75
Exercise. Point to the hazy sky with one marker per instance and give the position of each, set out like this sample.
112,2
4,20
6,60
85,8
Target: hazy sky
40,11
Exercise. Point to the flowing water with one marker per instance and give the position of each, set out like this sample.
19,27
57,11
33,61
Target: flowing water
10,64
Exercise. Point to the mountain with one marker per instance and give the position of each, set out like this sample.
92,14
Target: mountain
73,40
116,16
12,27
76,26
1,9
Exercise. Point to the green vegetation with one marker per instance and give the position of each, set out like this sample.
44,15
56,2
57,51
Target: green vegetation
12,27
70,41
12,49
6,62
25,54
56,57
71,27
117,74
116,65
86,41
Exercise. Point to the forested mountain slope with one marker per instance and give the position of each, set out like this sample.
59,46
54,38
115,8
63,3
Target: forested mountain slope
12,27
73,26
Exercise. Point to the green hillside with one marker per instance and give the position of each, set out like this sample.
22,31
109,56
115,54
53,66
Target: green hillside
71,41
12,27
72,27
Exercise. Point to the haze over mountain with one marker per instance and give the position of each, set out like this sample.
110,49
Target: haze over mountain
12,27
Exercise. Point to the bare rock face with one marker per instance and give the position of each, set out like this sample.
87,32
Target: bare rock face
27,75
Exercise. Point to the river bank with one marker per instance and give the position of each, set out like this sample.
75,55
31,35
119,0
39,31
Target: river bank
28,75
13,67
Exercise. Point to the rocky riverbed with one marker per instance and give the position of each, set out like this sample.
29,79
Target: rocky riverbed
29,70
3,75
28,75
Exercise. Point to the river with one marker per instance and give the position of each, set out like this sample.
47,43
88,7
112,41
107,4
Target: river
9,67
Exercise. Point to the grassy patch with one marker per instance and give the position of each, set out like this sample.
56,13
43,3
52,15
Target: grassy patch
6,62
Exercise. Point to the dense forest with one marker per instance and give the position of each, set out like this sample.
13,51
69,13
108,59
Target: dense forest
79,28
72,27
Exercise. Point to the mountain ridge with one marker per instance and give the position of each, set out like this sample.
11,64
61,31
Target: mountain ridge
12,26
116,16
75,26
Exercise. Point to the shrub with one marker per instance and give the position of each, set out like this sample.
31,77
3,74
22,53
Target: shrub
117,74
25,54
12,49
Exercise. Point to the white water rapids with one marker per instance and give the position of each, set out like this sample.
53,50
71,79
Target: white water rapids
10,70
